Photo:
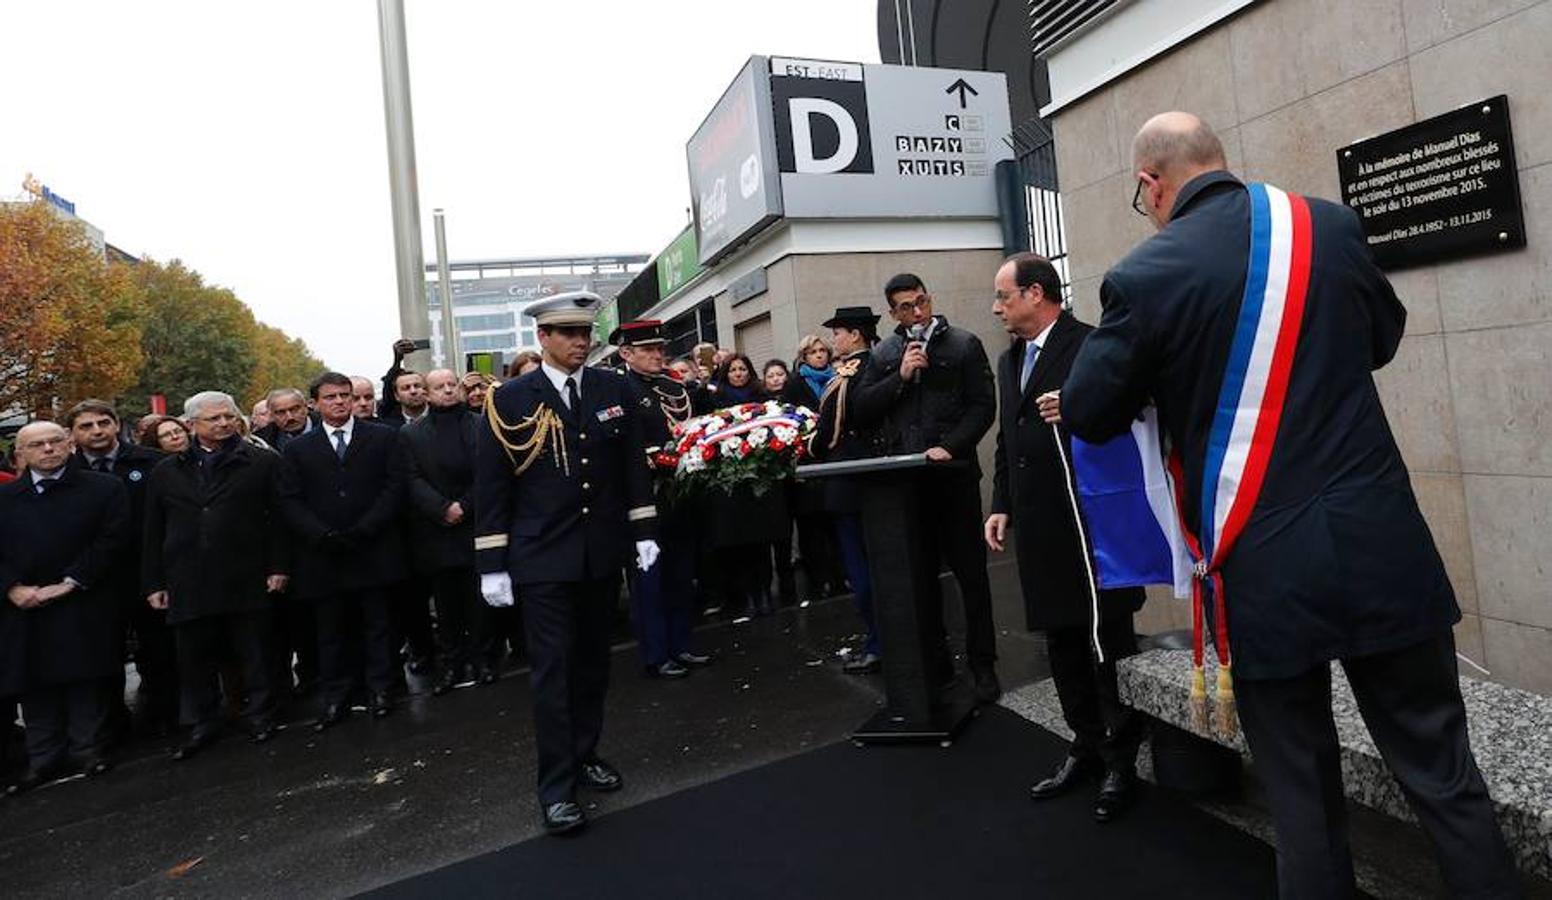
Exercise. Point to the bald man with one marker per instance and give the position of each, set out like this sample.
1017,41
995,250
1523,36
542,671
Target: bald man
61,528
1280,326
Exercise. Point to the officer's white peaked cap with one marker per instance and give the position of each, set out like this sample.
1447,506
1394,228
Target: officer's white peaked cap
570,308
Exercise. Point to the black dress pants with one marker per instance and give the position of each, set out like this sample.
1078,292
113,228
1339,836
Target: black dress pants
296,620
568,626
1410,701
1102,725
463,632
952,526
204,644
355,638
65,720
411,611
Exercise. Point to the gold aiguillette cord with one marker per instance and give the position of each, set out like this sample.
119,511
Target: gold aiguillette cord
545,427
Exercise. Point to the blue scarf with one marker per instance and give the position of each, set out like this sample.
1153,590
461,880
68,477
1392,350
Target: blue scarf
816,378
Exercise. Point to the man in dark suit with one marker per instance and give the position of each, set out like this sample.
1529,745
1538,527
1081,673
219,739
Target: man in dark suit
404,390
215,559
664,595
1335,561
60,531
1032,494
439,454
297,625
341,496
929,389
405,401
561,488
94,427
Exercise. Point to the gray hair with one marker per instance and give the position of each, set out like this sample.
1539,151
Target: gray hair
199,401
277,393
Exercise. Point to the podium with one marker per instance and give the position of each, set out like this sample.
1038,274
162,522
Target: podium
903,573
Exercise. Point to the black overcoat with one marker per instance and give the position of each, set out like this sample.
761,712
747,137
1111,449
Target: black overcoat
1336,559
839,434
213,547
575,512
434,544
1031,485
75,528
132,465
344,514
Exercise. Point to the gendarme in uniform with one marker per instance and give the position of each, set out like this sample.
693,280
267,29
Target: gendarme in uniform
562,490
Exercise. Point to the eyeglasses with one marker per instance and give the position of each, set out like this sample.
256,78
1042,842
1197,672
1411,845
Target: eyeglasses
912,305
1137,206
218,417
40,443
1003,296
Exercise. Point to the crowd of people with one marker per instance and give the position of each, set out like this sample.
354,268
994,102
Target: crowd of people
255,559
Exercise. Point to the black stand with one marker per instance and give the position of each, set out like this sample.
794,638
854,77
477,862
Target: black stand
903,574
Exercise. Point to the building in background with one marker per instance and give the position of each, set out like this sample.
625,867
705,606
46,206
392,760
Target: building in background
1469,395
490,295
59,206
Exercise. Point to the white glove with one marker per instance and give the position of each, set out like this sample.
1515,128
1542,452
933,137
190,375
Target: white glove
496,588
646,554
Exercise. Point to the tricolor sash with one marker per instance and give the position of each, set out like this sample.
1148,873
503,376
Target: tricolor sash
1249,409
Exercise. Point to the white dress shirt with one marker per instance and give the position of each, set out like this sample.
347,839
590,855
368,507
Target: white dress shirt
558,378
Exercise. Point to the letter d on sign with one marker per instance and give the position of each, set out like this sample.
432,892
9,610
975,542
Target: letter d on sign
802,137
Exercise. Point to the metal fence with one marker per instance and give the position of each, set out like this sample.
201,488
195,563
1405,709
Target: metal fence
1036,150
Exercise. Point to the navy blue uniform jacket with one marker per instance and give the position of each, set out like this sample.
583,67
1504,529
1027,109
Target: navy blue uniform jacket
1336,560
568,517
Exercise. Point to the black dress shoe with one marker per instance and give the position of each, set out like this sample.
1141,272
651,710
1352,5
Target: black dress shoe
987,688
194,746
30,779
1073,770
445,683
1116,792
866,664
381,705
669,669
333,714
693,660
563,817
600,776
96,765
488,675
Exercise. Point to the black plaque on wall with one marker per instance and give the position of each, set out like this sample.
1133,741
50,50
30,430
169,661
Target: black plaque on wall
1438,189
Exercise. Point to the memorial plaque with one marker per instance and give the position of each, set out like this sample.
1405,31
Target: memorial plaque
1439,189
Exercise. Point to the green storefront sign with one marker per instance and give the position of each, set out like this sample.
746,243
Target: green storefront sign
678,263
607,321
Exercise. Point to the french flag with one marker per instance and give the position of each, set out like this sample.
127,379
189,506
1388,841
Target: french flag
1128,513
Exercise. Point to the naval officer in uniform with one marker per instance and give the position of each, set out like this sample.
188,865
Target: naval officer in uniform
664,596
562,493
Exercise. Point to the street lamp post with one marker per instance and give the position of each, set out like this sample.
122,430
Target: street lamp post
408,261
454,359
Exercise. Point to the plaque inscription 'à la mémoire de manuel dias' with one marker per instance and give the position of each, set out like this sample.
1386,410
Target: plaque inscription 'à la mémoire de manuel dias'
1438,189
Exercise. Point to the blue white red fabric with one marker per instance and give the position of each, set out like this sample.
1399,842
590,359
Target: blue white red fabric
1128,506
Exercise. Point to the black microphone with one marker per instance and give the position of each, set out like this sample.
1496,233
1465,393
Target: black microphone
915,333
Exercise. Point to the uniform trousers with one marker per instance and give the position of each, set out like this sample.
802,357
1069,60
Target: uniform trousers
204,644
463,634
854,559
1410,701
355,638
1102,725
65,720
950,507
664,597
569,626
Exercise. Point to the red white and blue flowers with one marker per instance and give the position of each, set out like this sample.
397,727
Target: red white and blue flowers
753,444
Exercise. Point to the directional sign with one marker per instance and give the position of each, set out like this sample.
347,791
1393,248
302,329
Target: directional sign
963,87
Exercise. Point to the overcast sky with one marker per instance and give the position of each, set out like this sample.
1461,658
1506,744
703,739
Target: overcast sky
248,139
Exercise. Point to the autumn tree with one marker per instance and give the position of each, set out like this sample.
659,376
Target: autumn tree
194,336
279,361
69,322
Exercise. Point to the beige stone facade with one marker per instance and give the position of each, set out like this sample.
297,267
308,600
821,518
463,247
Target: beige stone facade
1469,396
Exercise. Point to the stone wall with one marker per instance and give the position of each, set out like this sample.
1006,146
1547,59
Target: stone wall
1469,396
